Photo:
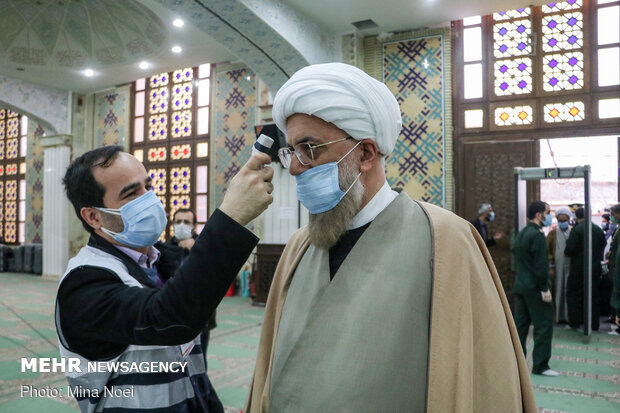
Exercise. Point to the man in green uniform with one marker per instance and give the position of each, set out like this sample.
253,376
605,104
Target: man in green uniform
574,286
532,293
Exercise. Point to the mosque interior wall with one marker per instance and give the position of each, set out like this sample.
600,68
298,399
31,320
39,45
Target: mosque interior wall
416,66
34,185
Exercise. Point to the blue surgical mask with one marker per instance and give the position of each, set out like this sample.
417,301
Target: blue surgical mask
548,220
492,216
563,225
318,188
144,219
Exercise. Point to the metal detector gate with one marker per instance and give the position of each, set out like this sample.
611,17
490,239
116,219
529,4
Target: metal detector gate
578,172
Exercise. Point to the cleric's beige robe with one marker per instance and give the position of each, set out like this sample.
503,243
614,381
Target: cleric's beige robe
475,361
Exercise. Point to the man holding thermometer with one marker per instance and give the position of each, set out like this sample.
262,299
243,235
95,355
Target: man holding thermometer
116,301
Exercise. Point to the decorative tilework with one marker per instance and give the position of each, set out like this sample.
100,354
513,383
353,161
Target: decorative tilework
413,71
282,40
233,126
112,117
34,185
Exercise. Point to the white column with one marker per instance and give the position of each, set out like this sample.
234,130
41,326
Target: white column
56,206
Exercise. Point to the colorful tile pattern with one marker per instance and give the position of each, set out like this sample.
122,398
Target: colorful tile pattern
112,115
413,71
34,185
233,125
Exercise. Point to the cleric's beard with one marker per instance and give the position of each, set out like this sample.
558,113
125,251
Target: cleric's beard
326,228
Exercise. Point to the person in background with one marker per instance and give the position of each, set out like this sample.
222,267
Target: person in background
532,288
559,263
607,225
612,263
574,285
486,214
184,226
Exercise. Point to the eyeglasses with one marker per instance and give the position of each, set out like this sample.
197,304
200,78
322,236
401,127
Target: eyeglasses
303,151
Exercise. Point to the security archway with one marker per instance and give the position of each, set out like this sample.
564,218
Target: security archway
521,176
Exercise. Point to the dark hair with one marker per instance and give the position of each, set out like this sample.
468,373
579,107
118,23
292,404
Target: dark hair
81,187
615,209
580,213
606,216
534,208
184,210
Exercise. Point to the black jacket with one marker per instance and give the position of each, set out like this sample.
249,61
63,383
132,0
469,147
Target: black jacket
179,253
101,316
482,229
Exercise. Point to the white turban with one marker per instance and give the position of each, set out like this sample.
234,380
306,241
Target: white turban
484,208
345,96
563,211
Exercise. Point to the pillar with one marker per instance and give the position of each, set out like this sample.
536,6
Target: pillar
56,206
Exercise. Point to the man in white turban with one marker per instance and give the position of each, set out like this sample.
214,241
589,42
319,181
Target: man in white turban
381,303
559,263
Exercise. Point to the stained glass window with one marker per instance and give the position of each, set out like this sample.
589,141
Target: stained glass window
513,77
13,135
511,14
562,32
181,152
513,116
157,154
562,6
170,131
512,39
570,49
563,71
562,45
564,112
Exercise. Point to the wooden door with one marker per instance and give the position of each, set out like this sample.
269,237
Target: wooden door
485,174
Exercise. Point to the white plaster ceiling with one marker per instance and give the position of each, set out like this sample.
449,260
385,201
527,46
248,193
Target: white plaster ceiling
52,42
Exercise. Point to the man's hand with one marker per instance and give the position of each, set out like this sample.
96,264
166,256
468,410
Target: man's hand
187,243
546,296
249,192
498,235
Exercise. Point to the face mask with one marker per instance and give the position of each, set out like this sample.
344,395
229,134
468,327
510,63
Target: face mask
563,225
548,220
182,231
144,219
614,220
318,188
492,216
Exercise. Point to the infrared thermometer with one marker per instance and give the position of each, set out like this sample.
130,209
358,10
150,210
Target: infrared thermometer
262,144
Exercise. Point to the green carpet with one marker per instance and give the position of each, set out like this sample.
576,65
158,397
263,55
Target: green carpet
589,381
